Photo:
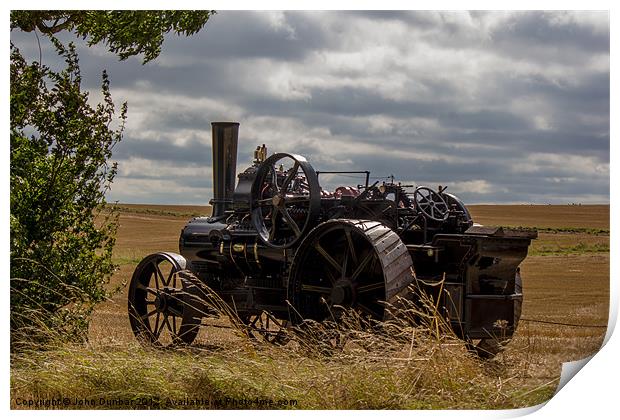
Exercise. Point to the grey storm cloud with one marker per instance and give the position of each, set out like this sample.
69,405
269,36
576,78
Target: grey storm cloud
543,29
499,106
234,35
191,153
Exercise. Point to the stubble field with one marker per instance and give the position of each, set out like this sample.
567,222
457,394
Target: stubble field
565,281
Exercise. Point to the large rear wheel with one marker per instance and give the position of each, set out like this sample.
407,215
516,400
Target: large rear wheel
346,263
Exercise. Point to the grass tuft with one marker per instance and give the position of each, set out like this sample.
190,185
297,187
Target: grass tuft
352,364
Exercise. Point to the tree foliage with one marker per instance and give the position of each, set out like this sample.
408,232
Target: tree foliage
124,32
60,147
62,231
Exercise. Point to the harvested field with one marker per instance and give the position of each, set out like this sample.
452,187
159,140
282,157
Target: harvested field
565,280
556,216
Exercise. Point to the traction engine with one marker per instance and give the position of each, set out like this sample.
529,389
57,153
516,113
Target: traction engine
280,249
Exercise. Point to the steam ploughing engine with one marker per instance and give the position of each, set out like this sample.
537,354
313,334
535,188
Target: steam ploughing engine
279,249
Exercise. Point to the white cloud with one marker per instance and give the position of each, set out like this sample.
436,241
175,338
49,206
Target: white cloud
138,167
595,20
479,186
585,166
283,83
278,22
130,190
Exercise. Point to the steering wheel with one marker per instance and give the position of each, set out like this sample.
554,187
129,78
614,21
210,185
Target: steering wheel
430,204
286,199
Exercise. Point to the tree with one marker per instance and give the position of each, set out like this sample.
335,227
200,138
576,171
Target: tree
62,231
60,146
125,32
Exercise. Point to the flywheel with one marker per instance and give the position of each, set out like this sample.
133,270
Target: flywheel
347,263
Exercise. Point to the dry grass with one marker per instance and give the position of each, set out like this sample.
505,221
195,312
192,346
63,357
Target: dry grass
439,375
392,366
562,282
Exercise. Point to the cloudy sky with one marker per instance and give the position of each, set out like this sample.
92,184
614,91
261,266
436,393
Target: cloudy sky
503,107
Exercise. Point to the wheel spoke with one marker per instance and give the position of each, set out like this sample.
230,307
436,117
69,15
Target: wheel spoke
290,177
370,287
362,265
154,264
328,258
344,264
316,289
274,176
347,233
172,271
146,316
274,219
330,276
158,275
161,327
265,202
290,222
146,289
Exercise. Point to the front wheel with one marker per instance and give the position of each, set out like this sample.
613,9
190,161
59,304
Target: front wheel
157,293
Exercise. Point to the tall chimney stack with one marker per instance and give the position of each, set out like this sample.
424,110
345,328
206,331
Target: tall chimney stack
225,136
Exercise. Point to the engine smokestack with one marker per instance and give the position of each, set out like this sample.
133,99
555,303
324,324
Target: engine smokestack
225,137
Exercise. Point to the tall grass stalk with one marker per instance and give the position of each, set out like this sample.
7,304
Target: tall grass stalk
410,361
